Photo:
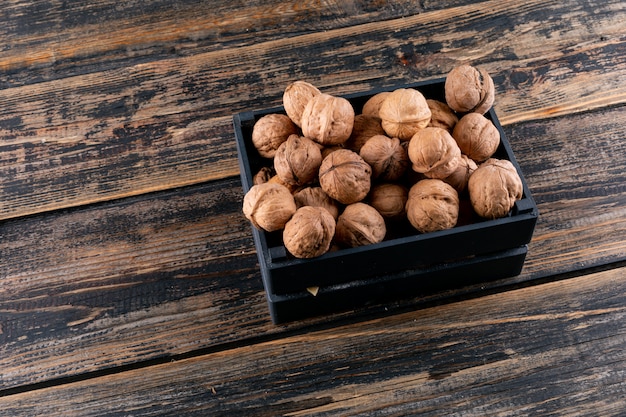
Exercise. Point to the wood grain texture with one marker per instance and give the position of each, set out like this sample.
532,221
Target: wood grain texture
61,39
87,285
168,273
557,347
576,168
147,126
129,283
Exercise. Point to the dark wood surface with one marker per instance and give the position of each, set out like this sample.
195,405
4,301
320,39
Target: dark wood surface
129,282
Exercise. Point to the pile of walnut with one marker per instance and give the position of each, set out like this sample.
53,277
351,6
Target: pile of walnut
339,178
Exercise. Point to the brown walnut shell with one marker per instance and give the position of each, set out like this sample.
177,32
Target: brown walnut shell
432,205
309,232
469,89
364,128
389,199
345,176
372,105
387,157
316,197
297,160
360,224
328,119
268,206
295,98
327,150
404,112
434,152
477,136
277,180
263,175
270,131
494,188
461,175
442,115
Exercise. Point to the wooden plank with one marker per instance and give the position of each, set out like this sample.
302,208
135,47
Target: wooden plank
558,347
60,39
88,284
141,279
156,125
66,167
577,172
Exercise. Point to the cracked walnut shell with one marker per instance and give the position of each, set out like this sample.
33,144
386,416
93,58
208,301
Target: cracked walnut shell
268,206
360,224
309,232
494,188
345,176
432,205
404,112
328,119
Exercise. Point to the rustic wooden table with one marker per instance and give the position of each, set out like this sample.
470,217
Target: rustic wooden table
129,282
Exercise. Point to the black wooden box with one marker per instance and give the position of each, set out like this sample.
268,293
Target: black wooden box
397,267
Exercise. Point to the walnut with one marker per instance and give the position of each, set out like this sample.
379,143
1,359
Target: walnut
468,89
326,150
295,98
477,136
315,196
372,105
404,112
345,176
364,128
386,156
494,187
277,180
270,131
297,160
432,205
459,178
360,224
263,175
389,199
441,115
268,206
434,152
309,232
328,119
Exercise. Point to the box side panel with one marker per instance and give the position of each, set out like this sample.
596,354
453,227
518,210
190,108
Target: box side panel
367,262
405,285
